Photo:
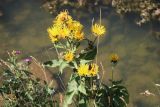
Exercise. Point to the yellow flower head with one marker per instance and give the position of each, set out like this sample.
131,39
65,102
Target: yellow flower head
64,32
98,30
83,70
93,70
53,30
53,38
114,58
69,56
79,35
63,17
88,70
75,26
53,33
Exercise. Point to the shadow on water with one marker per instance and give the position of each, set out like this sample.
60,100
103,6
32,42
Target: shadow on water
24,25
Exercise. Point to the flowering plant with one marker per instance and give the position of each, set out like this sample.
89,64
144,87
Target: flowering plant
85,86
19,87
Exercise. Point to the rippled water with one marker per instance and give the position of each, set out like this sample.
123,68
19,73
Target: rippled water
23,27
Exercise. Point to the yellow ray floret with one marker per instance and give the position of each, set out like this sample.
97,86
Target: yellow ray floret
88,70
64,32
53,38
98,30
79,35
83,70
63,17
53,30
69,56
53,33
75,26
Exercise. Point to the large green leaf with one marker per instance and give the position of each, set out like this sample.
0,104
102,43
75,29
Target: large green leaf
81,88
83,102
53,63
72,90
114,96
83,61
120,96
88,54
57,63
63,65
101,99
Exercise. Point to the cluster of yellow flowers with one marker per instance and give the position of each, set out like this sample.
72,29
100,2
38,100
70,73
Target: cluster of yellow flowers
88,70
65,27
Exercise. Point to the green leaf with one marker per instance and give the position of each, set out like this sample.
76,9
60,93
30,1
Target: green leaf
88,54
120,95
59,45
115,82
72,85
82,61
57,63
69,98
29,96
102,96
63,65
73,64
53,63
83,102
72,90
81,88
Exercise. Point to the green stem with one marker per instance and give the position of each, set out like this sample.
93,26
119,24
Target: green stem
112,75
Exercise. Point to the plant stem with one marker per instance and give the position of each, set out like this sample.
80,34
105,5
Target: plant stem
112,74
56,51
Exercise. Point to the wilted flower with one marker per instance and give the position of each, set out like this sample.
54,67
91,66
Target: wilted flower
98,29
17,52
29,59
114,58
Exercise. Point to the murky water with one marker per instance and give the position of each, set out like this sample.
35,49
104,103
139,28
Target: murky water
24,25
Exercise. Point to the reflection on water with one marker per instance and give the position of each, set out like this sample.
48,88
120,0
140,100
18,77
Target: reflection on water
24,25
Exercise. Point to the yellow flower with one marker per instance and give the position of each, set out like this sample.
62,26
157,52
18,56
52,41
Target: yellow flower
114,58
54,30
53,38
64,32
69,56
75,26
63,17
88,70
79,35
98,30
53,33
83,70
93,70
